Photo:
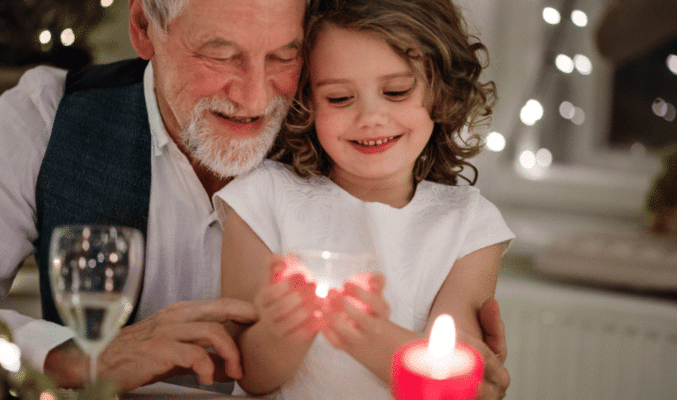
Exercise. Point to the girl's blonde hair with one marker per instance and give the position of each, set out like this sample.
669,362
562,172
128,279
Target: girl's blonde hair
431,35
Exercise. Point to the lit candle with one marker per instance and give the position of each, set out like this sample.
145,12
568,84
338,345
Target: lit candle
437,368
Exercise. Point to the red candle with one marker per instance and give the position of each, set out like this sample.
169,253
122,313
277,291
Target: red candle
437,368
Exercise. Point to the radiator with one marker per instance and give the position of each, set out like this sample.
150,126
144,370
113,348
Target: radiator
565,342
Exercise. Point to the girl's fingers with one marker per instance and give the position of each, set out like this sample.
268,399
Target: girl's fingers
344,328
367,301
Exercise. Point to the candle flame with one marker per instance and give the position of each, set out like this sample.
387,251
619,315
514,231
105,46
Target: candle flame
442,337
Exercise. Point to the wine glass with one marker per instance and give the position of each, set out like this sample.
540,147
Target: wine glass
95,273
330,269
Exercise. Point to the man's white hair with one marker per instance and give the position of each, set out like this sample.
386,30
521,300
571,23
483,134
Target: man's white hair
162,12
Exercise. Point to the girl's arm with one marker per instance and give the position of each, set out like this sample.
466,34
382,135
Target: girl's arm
372,339
471,281
273,347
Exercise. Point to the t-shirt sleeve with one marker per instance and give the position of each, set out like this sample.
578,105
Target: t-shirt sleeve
252,197
486,227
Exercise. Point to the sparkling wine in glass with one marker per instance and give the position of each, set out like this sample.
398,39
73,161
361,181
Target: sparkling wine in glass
95,273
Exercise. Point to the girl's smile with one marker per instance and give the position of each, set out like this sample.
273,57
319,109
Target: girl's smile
374,145
370,113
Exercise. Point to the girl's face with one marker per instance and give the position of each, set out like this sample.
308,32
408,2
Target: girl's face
370,113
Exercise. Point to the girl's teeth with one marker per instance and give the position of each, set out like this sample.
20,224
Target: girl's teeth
375,143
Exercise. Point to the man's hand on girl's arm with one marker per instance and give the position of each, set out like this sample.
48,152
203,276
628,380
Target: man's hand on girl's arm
493,350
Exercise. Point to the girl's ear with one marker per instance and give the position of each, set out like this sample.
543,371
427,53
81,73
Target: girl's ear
139,27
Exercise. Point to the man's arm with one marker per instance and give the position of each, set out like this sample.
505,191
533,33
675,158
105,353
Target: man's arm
177,338
27,112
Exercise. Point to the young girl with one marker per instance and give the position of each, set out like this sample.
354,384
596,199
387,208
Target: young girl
369,161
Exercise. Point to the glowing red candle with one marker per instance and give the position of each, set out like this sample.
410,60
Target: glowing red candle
437,368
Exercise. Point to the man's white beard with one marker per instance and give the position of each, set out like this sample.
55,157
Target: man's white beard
223,155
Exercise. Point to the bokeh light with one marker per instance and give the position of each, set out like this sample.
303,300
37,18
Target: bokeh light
659,107
566,110
579,116
583,64
10,356
551,16
671,114
672,63
527,159
564,63
544,157
579,18
664,109
531,112
495,142
106,3
67,37
45,36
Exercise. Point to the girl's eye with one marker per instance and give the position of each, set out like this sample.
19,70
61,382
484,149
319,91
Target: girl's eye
398,94
339,100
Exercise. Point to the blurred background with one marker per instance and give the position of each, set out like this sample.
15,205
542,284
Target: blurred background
580,159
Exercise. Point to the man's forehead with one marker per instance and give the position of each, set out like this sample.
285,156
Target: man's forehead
231,22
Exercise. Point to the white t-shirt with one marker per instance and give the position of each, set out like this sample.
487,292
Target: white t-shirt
418,244
183,246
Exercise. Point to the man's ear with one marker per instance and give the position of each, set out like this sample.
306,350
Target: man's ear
139,26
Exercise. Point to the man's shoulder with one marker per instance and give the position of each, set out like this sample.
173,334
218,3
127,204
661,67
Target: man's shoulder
117,74
40,78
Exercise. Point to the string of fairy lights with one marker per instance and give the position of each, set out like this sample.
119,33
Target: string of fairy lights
532,111
532,160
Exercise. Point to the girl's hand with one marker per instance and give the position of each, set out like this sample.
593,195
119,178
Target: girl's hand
356,316
288,307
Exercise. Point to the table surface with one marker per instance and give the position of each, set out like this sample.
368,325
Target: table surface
162,390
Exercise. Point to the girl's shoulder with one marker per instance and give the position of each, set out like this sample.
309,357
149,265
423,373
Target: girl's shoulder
453,196
280,172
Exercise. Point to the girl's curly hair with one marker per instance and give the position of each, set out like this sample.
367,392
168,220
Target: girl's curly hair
432,36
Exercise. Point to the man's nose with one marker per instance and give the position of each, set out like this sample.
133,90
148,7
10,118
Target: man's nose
251,89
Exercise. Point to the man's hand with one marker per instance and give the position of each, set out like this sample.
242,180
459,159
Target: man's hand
493,350
183,336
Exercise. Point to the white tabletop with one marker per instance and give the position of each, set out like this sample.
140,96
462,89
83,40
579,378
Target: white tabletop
162,390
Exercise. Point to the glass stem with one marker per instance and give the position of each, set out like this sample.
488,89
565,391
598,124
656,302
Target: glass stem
92,368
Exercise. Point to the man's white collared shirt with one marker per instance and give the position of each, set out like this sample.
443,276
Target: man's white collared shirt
183,246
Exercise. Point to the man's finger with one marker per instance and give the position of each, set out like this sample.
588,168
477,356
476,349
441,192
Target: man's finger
493,329
208,335
219,310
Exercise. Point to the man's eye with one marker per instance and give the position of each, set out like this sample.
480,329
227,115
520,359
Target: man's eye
285,57
226,59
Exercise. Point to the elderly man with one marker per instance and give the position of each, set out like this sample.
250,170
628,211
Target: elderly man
147,145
